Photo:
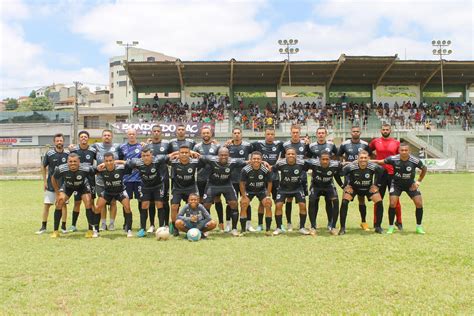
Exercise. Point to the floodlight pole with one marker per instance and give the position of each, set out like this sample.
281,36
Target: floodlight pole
127,46
441,50
287,51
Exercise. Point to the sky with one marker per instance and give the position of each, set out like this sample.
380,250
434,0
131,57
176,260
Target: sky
45,42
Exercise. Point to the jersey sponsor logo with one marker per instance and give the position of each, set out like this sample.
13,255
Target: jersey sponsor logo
153,170
408,169
162,149
211,150
88,156
63,159
367,175
227,169
274,148
329,173
137,150
112,149
297,172
300,149
190,170
260,177
241,152
116,176
79,177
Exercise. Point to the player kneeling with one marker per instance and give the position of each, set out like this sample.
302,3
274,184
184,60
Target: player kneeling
195,215
405,166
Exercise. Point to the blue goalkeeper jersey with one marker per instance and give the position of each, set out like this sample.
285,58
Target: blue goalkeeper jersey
129,152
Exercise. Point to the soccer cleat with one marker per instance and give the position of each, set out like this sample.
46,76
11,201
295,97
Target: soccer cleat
95,234
151,229
64,231
259,228
221,227
141,233
277,232
42,230
364,226
204,235
283,229
312,231
399,226
72,229
378,230
342,231
235,233
420,230
268,233
89,234
171,229
176,232
111,226
290,227
251,229
103,226
227,228
55,234
333,232
304,231
391,229
329,227
129,233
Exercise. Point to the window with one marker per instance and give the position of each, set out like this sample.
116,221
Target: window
91,122
115,63
121,83
112,96
121,118
122,73
150,59
112,85
111,74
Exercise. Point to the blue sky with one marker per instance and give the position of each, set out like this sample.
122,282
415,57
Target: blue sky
63,41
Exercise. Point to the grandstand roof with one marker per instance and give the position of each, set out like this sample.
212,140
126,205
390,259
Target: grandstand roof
377,70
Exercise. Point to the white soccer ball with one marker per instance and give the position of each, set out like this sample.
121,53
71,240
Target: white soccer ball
162,233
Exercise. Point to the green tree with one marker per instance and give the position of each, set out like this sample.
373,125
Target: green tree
41,104
12,104
32,94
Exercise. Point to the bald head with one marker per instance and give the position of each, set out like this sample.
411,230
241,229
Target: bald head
132,136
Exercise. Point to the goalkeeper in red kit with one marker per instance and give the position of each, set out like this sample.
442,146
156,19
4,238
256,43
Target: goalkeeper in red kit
384,147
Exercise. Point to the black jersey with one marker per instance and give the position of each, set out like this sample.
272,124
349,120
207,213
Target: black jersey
220,175
290,175
316,149
87,155
300,148
210,149
362,179
74,180
184,176
103,148
350,150
404,170
175,143
113,180
162,148
270,152
323,177
255,180
240,152
149,174
53,159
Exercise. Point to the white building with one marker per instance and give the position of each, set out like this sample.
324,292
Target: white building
121,91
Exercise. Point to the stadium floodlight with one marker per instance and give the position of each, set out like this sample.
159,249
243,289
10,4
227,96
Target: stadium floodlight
441,50
127,46
287,51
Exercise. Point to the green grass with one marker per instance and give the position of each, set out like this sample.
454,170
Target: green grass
356,273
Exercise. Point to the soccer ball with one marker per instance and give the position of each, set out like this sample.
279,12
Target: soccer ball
194,234
162,233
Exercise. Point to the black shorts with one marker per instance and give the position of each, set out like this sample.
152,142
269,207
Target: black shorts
275,185
179,195
166,189
363,193
236,187
299,196
213,191
152,194
396,190
73,191
133,189
329,192
108,197
304,180
259,195
386,182
201,188
78,198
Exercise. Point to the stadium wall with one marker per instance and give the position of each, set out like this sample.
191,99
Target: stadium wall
399,94
320,96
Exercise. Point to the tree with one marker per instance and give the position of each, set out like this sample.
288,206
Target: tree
32,94
41,104
12,104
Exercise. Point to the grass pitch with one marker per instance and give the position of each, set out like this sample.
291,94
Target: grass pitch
291,274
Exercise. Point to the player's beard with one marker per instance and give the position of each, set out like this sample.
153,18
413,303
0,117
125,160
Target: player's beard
59,147
386,135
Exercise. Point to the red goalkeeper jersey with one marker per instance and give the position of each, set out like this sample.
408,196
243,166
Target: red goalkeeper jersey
385,147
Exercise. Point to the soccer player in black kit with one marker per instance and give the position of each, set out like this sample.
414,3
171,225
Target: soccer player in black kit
183,180
405,166
271,150
255,181
362,177
324,170
114,188
314,151
349,151
67,179
86,156
159,147
241,150
220,182
291,186
301,150
181,139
